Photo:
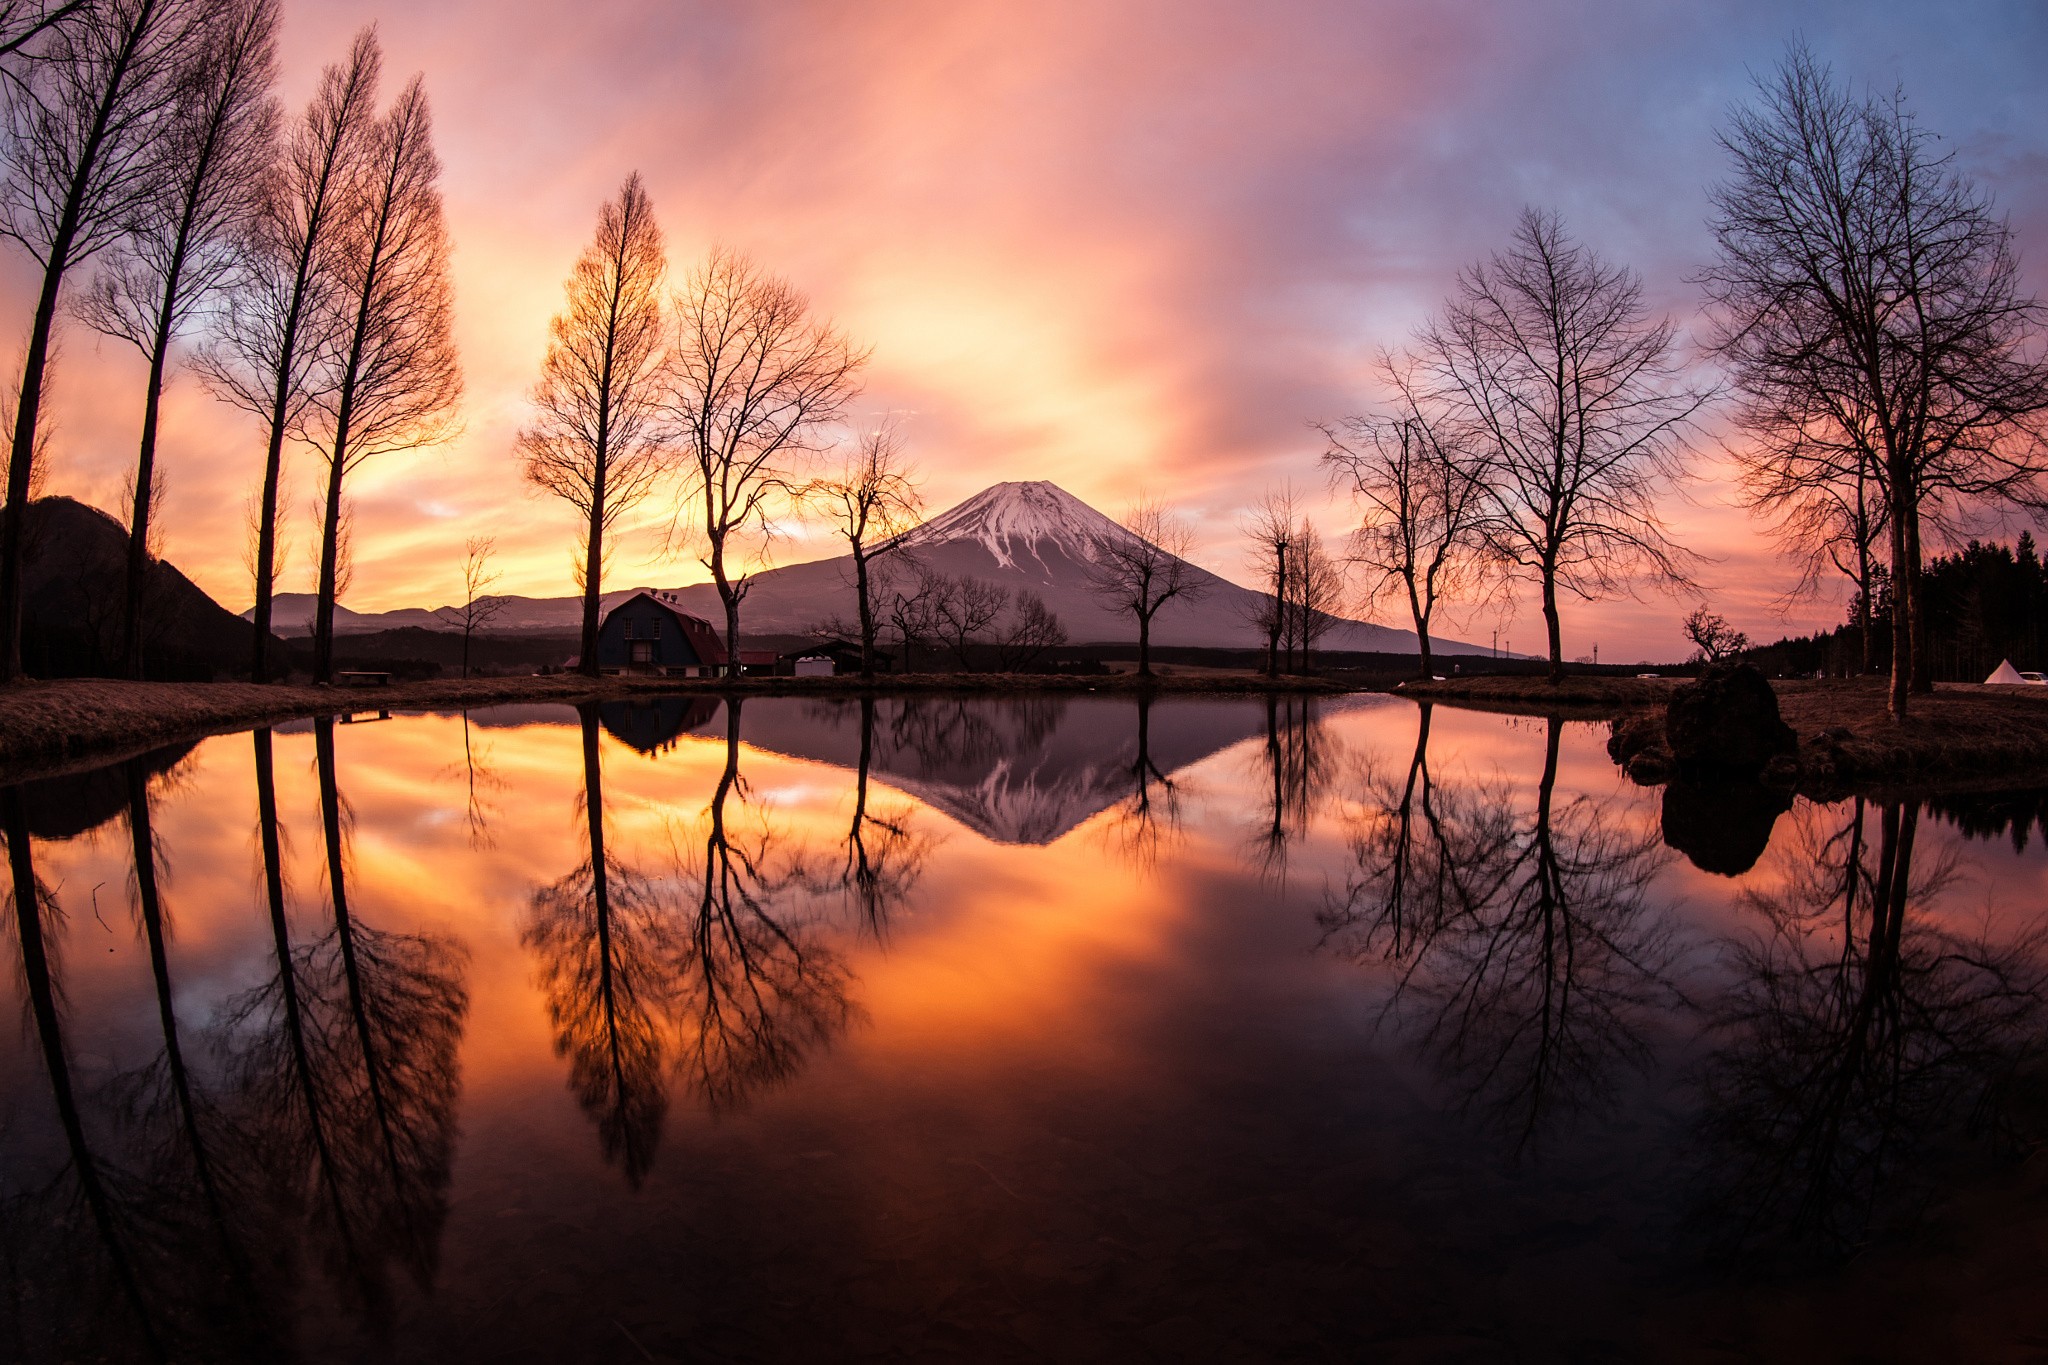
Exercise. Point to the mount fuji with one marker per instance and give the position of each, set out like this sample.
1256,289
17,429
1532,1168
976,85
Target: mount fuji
1026,536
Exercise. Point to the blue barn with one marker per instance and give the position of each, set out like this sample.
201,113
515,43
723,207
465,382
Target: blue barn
649,633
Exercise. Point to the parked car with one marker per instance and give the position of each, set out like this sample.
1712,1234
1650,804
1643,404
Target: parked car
2035,679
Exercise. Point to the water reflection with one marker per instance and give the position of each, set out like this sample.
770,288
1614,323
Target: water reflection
992,1030
345,1065
709,962
1529,963
1860,1034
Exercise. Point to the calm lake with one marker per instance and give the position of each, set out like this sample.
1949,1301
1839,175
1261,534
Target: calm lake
1043,1029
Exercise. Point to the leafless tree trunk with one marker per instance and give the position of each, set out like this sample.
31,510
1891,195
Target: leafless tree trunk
1271,529
212,151
395,377
597,443
872,502
1033,629
1420,495
1142,572
282,319
479,606
1870,309
753,380
81,121
1548,356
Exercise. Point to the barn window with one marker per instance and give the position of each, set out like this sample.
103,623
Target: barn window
643,651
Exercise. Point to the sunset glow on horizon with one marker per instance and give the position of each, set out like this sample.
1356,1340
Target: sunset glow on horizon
1131,248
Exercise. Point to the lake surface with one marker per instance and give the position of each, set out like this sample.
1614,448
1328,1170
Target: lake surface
1044,1029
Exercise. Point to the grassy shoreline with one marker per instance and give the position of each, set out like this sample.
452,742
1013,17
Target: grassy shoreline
48,728
1964,736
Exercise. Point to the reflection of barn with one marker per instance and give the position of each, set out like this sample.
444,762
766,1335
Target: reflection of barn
654,724
649,633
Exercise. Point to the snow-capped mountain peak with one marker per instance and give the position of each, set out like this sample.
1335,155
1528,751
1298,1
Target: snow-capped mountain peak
1015,520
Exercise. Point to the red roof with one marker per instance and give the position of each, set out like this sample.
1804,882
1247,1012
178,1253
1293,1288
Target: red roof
703,639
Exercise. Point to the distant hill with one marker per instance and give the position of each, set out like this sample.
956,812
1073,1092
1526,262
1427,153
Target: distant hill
1031,536
72,587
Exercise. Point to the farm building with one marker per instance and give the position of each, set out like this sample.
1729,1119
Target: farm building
648,633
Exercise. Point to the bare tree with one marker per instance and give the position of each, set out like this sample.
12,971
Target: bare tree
81,121
911,593
281,320
1315,591
1270,528
1032,630
1869,306
1421,498
965,609
212,152
1570,388
480,606
597,442
24,21
1141,572
1713,637
753,380
395,376
872,501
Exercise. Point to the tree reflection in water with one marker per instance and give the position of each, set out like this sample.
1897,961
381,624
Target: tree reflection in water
1861,1034
346,1061
712,965
1528,963
885,851
1300,762
757,985
600,935
1149,818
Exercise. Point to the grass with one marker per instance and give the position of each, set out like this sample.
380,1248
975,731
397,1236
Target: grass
73,723
1519,694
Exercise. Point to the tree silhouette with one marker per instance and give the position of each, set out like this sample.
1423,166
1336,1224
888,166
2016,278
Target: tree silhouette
1528,961
1861,1032
393,376
281,321
213,149
601,936
596,441
82,124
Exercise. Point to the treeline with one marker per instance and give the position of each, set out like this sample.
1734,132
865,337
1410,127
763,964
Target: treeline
1985,604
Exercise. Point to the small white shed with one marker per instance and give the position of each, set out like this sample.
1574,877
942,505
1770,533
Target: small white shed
818,666
2005,675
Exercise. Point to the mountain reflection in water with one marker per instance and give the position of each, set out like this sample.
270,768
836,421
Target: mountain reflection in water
1075,1027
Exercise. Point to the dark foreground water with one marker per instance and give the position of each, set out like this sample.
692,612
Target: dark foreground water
1038,1030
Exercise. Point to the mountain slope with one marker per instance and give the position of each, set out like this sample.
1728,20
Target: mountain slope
1027,536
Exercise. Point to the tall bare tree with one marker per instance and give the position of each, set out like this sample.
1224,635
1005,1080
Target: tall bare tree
1869,306
1571,388
212,153
281,320
597,441
395,376
81,120
1315,591
753,381
871,501
1420,496
1141,572
1302,584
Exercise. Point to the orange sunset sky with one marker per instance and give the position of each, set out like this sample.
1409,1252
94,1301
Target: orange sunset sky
1121,245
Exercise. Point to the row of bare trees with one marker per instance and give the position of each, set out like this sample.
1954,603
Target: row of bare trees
1866,305
1536,423
726,384
143,138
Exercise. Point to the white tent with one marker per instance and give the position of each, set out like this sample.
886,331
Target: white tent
2006,675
